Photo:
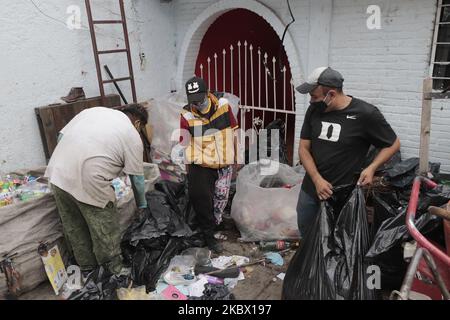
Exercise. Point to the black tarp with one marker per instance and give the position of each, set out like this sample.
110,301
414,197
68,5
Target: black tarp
167,227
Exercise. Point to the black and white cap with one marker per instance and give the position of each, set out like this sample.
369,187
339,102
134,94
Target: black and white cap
323,76
196,90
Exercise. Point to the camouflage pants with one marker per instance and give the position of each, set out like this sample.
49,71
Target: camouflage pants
92,232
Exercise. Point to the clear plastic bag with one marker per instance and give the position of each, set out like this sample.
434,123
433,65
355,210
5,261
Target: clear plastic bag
181,271
262,211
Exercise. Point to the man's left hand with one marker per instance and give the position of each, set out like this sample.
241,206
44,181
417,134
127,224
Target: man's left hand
366,176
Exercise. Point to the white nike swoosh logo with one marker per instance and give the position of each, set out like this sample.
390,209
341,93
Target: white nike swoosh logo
351,117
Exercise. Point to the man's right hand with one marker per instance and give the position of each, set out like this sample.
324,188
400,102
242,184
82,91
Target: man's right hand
324,189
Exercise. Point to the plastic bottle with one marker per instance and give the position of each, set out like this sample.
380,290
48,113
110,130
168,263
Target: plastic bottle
277,245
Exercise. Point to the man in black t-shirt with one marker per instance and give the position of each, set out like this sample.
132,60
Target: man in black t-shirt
336,135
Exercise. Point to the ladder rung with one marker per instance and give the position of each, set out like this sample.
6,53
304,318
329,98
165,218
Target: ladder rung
106,21
112,51
116,80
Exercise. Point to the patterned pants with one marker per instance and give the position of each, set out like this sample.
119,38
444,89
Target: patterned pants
222,192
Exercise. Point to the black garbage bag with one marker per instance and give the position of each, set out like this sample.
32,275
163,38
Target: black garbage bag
330,263
166,229
391,232
215,292
168,212
392,213
100,285
402,174
385,206
279,125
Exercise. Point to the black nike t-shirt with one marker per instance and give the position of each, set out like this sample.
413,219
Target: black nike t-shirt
340,141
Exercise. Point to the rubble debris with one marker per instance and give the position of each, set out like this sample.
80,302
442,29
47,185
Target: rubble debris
15,189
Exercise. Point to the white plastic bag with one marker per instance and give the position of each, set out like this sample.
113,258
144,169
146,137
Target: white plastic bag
180,271
263,212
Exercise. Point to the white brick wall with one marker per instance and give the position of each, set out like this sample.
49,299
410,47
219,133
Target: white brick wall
386,67
41,59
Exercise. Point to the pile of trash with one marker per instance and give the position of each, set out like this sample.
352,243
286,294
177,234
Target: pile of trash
264,206
15,189
166,258
166,228
345,246
31,219
192,275
388,231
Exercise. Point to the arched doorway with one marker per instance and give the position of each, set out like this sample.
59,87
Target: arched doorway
248,60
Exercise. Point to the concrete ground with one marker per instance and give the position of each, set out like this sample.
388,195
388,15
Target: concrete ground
261,282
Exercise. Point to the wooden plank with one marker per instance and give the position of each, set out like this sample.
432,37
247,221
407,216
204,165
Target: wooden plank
43,137
425,126
49,131
62,115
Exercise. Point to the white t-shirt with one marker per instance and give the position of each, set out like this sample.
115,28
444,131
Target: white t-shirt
97,145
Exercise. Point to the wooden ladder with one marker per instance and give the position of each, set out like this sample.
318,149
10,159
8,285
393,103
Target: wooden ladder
97,53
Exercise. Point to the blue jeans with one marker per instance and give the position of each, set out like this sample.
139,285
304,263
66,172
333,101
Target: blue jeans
307,208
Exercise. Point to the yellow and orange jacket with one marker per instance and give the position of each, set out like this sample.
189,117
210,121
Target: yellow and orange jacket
209,136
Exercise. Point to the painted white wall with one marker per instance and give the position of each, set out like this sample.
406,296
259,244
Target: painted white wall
41,59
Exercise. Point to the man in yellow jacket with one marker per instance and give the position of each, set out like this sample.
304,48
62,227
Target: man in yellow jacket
207,130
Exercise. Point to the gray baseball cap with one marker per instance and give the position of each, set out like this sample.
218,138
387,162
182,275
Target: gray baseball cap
324,76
